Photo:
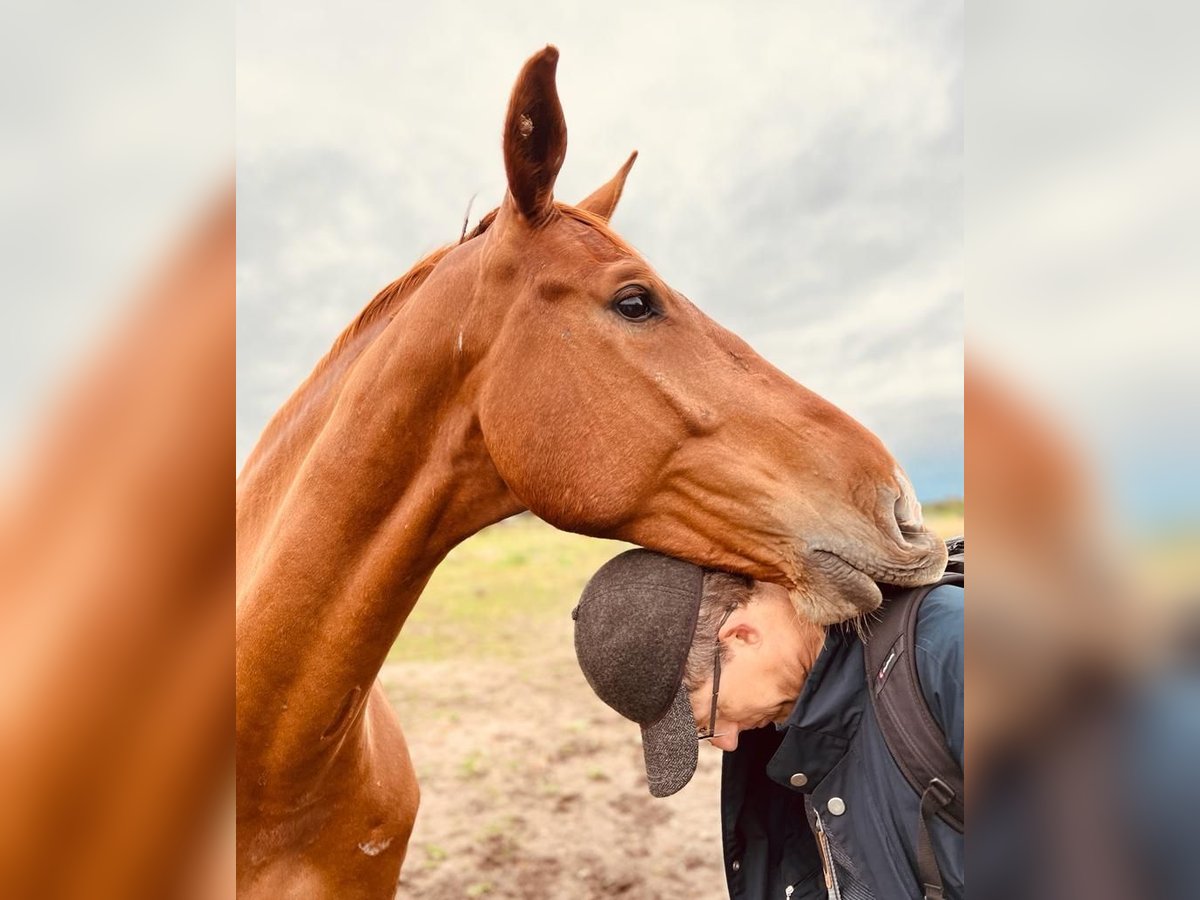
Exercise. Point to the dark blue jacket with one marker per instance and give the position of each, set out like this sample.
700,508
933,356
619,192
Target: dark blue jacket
826,778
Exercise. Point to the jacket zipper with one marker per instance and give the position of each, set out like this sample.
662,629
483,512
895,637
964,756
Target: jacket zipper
831,882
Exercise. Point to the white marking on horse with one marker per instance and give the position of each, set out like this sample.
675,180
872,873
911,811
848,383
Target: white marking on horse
460,342
374,848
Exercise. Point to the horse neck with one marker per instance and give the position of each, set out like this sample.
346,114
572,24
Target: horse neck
382,471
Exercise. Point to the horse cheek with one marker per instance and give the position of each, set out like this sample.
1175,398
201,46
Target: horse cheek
566,474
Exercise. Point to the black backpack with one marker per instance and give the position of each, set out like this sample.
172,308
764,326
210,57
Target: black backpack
913,736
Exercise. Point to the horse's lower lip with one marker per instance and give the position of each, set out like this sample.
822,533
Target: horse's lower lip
880,573
843,562
838,589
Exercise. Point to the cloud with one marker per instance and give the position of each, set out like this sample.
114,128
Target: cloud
799,178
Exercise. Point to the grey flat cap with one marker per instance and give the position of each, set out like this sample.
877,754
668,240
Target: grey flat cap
633,630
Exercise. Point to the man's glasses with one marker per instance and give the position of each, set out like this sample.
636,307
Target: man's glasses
712,714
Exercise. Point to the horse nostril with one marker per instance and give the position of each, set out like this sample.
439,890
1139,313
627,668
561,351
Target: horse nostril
905,517
907,509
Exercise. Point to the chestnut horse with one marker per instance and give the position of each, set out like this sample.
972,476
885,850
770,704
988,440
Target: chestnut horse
538,364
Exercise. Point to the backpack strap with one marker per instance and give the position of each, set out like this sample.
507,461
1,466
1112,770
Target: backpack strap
913,736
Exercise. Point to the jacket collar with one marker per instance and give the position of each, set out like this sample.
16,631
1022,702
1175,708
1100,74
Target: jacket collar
826,715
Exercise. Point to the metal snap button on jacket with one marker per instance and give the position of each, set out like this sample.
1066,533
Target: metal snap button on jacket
799,779
836,805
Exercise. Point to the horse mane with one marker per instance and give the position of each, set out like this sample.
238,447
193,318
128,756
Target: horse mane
385,303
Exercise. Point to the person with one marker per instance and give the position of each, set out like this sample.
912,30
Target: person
812,803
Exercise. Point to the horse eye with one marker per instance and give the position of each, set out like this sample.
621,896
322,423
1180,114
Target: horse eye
635,307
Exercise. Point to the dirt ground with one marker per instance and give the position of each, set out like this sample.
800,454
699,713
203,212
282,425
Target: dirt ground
532,788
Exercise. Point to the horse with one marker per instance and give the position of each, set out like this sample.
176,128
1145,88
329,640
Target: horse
540,363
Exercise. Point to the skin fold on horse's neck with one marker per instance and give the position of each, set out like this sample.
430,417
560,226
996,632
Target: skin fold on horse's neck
359,495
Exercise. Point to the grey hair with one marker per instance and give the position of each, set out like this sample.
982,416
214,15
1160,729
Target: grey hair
722,592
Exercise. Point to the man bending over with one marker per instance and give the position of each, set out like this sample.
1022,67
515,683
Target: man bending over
812,802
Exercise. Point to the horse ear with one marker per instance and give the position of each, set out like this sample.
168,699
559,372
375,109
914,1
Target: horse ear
603,200
535,137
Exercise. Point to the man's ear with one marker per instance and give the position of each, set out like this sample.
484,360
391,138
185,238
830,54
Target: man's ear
742,631
535,137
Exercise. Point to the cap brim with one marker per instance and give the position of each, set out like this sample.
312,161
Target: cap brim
670,747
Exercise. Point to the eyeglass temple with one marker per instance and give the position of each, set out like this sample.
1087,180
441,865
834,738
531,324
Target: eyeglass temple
712,713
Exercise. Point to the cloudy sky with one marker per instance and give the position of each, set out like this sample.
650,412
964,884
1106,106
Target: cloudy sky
799,178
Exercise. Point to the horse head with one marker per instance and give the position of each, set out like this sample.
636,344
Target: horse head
612,406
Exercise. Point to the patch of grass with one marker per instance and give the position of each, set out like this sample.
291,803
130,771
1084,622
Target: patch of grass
434,854
950,506
471,767
945,517
496,828
494,594
479,888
